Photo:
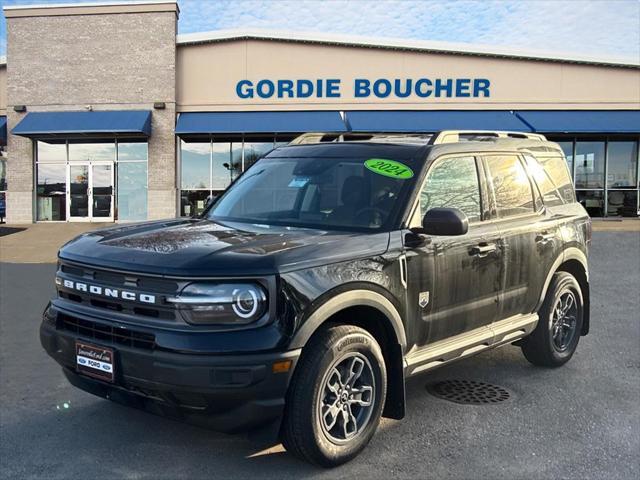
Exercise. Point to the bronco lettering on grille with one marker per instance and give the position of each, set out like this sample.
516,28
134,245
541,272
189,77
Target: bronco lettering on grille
106,292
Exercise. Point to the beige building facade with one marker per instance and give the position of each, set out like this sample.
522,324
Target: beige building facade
109,115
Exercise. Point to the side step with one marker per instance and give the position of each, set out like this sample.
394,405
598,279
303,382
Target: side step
470,343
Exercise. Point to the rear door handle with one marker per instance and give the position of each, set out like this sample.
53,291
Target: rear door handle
483,249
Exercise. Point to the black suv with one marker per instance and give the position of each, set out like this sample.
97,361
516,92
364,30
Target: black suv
324,276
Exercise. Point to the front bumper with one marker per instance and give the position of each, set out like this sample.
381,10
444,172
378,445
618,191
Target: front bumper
227,393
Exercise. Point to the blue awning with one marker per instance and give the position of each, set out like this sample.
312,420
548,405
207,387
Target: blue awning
433,120
3,130
60,124
204,123
582,121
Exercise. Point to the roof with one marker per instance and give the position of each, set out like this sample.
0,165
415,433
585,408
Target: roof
91,8
402,44
88,4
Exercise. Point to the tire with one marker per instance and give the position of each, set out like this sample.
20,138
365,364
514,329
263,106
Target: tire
552,345
316,385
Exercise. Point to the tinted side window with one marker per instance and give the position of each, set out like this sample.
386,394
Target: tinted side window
552,177
558,172
511,185
453,183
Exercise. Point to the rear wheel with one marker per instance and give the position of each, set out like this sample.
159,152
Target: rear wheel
336,396
555,339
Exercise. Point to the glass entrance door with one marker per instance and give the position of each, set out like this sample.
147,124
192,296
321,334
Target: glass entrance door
101,192
78,192
90,191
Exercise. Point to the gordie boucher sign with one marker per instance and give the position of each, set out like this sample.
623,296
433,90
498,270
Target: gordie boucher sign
366,88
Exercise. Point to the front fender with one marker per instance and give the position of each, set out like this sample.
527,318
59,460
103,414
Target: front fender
351,298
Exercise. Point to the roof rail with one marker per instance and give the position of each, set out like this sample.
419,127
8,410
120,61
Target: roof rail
453,136
323,137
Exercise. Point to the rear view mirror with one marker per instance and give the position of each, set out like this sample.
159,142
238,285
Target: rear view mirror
445,221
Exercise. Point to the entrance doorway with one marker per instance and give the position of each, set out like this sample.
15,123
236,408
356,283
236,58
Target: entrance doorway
90,191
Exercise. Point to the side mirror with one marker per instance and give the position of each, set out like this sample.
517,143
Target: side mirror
445,221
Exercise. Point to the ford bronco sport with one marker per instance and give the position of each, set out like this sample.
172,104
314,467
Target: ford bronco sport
327,274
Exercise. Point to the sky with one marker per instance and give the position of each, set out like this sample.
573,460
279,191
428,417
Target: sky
603,28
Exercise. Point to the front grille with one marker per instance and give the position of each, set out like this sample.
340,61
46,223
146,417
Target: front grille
106,333
160,287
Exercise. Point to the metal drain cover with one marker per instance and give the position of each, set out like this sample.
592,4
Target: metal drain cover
468,392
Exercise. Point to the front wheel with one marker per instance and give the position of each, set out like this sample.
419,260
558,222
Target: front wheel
336,397
555,338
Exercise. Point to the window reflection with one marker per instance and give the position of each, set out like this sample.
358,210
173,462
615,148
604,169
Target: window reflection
589,165
567,148
51,192
128,150
92,152
253,151
196,158
224,169
3,174
453,183
52,152
511,185
622,165
132,191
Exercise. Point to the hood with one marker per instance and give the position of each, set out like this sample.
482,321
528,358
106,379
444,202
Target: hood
195,247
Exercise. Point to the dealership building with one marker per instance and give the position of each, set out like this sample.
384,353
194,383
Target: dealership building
107,114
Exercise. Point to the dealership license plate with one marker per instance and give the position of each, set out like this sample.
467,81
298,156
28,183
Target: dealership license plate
94,361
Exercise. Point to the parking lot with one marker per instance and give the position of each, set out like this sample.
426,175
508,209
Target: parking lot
580,421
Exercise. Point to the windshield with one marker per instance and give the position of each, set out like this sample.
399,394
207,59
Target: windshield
318,192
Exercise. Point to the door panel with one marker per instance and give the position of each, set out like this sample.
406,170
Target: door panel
455,282
531,236
462,277
78,193
102,191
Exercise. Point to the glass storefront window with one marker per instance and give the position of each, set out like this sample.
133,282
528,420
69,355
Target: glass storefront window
193,202
622,202
88,190
253,151
592,201
589,165
196,159
3,174
132,191
52,152
51,192
236,159
92,152
223,169
622,160
131,150
567,148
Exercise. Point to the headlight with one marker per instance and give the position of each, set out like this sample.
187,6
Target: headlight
222,304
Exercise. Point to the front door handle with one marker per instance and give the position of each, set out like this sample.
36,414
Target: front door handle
483,249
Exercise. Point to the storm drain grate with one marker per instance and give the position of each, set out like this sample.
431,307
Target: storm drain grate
468,392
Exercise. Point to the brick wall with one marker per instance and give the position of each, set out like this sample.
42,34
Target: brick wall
109,61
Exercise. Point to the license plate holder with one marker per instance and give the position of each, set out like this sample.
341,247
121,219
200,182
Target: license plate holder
95,361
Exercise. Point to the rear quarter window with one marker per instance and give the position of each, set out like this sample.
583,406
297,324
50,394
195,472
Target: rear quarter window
551,174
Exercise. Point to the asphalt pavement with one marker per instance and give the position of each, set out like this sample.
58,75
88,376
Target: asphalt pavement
580,421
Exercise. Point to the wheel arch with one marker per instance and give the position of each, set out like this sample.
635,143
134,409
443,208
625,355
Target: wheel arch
374,313
573,261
